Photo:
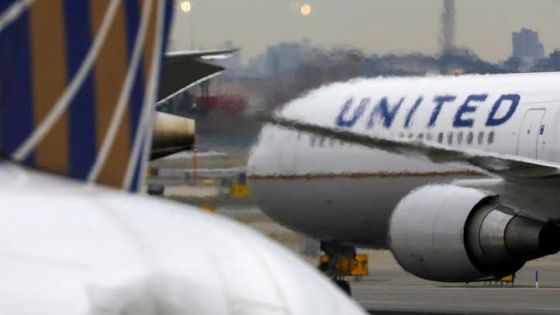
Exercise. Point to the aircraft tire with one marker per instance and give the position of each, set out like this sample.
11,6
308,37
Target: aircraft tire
344,286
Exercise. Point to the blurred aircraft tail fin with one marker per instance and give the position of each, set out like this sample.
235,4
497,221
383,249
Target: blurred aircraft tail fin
78,84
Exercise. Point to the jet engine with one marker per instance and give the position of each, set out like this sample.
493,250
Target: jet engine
172,134
456,234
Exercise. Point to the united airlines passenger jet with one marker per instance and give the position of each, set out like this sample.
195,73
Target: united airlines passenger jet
458,176
78,83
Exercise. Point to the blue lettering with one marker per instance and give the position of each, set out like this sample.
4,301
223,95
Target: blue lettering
341,121
412,112
387,113
459,121
439,100
514,101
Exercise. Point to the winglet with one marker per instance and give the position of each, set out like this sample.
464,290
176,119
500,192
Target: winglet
78,84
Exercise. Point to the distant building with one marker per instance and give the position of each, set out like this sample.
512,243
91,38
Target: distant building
286,57
527,46
553,63
233,63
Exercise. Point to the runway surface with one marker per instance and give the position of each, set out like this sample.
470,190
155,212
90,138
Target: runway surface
390,290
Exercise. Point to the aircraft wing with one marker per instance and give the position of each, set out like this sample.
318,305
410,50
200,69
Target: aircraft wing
509,167
203,54
184,69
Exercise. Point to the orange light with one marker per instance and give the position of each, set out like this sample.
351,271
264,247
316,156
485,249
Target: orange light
305,10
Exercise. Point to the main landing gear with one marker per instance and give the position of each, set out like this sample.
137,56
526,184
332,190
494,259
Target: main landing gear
340,261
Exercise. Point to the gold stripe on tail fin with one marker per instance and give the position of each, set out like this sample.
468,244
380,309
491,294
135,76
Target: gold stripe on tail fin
49,81
110,74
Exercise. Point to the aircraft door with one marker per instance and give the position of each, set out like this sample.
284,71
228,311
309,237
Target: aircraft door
530,132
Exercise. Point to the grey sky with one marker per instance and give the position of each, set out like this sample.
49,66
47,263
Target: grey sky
375,26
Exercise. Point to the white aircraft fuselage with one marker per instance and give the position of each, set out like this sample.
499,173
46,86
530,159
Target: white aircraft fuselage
71,248
332,190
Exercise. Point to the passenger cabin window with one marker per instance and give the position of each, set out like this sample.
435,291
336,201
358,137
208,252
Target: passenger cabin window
429,136
460,138
480,137
450,138
440,137
491,137
470,137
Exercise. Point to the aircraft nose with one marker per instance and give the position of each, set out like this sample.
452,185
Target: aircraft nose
268,156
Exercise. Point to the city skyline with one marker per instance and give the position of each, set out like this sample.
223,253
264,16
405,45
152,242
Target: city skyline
375,27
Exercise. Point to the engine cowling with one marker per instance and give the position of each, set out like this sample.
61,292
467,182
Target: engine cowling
457,234
172,134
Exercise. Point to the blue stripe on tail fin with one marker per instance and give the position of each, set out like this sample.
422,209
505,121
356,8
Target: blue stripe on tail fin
16,99
82,110
89,154
137,95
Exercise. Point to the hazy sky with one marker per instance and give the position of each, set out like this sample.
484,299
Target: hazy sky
375,26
